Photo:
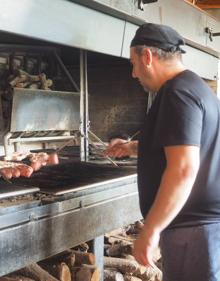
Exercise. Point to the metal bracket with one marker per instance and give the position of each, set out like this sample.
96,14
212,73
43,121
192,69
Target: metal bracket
142,2
209,31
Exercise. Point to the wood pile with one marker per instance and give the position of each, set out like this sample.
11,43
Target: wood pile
119,263
22,79
77,264
71,265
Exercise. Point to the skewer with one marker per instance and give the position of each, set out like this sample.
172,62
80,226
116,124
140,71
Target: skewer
98,139
131,138
97,148
107,157
64,145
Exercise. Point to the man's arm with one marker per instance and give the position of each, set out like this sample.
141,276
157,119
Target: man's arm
175,187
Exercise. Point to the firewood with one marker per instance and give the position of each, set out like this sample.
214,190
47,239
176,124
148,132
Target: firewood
83,274
122,265
22,85
128,257
118,239
14,81
112,275
68,257
21,77
135,228
37,273
83,247
45,83
34,86
15,278
88,273
116,250
148,273
131,278
28,77
84,258
59,270
64,273
116,232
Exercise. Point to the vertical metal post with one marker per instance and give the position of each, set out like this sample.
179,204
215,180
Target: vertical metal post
98,251
84,146
218,80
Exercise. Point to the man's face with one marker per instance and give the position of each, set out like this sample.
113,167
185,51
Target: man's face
140,70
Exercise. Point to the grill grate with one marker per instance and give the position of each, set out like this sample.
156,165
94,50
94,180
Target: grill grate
72,175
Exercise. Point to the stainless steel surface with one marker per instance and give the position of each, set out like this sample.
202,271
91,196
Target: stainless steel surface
84,114
63,22
123,9
11,190
39,238
88,186
39,110
42,139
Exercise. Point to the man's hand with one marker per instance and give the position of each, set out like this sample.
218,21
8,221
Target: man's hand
121,148
145,246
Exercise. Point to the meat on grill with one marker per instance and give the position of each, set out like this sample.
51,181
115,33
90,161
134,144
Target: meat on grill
42,159
9,170
12,169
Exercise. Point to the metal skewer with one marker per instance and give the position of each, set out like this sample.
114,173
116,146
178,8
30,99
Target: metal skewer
97,148
98,139
131,138
64,145
107,157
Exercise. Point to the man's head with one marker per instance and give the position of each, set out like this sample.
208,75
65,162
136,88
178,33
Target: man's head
155,54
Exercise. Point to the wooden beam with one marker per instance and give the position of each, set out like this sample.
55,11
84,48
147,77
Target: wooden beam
208,2
206,6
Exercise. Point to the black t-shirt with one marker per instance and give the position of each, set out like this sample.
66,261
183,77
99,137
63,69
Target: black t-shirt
185,112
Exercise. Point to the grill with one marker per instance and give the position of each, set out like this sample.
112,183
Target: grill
74,176
60,206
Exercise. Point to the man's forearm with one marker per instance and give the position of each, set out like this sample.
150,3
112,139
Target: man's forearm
171,197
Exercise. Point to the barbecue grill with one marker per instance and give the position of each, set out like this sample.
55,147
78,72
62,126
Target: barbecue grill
63,205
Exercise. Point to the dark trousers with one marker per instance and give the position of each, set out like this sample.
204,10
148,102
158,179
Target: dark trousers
191,254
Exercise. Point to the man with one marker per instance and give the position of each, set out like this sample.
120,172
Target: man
178,160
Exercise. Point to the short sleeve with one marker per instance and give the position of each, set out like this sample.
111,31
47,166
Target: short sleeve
180,119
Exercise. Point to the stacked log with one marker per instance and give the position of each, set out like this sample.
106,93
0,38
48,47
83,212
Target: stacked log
70,265
120,264
22,79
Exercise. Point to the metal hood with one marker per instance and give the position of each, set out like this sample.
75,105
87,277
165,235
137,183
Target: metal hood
63,22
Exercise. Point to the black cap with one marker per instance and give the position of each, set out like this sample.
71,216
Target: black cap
159,36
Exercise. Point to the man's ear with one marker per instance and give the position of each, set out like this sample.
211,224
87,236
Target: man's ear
147,57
